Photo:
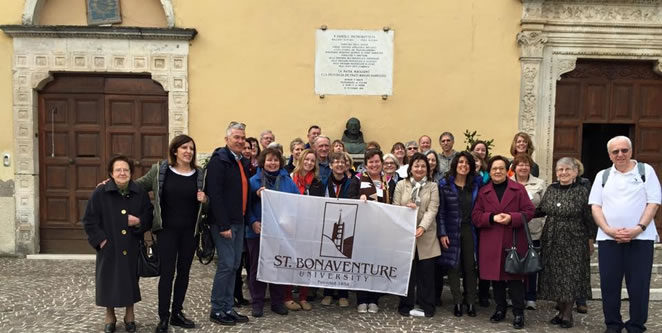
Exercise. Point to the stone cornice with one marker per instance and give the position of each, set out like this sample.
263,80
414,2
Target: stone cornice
615,12
67,31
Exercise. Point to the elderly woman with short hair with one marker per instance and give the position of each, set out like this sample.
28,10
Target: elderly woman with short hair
565,241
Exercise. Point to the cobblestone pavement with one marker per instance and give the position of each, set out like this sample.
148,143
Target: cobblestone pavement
58,296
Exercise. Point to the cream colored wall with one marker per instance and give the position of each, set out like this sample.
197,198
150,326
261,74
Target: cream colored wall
456,67
135,13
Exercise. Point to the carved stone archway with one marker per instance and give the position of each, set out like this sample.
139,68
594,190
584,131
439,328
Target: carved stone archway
32,8
555,33
42,50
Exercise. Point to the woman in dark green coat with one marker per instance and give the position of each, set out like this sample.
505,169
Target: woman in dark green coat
117,215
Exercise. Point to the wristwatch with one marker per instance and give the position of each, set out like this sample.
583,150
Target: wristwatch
642,226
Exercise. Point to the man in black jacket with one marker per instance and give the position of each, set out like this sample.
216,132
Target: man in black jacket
227,189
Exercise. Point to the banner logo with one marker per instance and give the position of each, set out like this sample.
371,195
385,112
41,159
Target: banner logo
337,240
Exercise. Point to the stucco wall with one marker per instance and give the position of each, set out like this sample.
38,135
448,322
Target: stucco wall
456,67
135,13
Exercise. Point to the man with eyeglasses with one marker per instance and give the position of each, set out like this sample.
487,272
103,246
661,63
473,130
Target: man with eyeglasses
446,141
623,206
227,189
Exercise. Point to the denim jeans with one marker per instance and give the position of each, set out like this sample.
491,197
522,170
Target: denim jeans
228,251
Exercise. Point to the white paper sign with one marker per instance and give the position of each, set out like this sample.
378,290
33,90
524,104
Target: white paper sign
354,62
336,243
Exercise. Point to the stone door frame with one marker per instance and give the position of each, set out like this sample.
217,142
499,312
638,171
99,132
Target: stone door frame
40,51
555,33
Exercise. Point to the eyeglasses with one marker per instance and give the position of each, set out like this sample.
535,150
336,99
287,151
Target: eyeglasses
412,148
389,163
622,151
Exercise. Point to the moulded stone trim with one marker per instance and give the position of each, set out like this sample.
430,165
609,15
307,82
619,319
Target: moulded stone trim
178,83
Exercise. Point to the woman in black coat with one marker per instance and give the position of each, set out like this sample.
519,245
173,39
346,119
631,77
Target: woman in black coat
117,215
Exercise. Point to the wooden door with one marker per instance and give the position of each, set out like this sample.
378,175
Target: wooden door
610,93
83,121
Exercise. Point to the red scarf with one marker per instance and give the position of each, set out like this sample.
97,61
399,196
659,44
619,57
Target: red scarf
303,182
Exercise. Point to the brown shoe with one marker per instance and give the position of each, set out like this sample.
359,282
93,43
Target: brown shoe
292,306
305,306
327,300
582,308
343,302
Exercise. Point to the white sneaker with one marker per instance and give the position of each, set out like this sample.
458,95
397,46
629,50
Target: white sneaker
373,308
530,305
362,308
509,302
416,313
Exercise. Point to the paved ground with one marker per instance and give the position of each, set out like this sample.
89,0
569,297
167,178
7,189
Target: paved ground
58,296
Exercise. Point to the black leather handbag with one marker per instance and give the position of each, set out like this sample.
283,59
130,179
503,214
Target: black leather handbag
149,264
530,263
206,248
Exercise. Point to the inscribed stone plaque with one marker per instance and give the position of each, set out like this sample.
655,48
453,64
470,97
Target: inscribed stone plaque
354,62
103,12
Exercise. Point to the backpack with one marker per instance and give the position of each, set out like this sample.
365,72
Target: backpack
640,166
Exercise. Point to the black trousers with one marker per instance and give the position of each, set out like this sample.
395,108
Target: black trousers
176,251
439,272
516,291
367,297
421,286
634,261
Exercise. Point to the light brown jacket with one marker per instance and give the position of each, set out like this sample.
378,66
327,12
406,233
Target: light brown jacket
427,245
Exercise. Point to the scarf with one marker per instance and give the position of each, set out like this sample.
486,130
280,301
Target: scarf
303,183
416,192
339,184
271,180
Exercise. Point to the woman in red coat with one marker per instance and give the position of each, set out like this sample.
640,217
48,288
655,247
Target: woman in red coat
498,210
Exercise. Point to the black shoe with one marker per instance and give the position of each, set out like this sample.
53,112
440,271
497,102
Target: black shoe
279,309
484,302
222,319
471,310
518,322
457,310
238,317
429,314
556,320
498,316
130,326
178,319
243,301
612,330
109,328
438,302
257,313
403,312
162,327
566,323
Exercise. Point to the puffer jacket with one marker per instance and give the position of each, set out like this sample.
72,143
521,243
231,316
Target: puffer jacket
285,184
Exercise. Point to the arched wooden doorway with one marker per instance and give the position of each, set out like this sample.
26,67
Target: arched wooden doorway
83,121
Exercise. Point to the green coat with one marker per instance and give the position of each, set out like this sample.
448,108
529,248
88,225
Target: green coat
152,181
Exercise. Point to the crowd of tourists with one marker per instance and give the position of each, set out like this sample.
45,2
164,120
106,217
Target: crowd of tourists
468,205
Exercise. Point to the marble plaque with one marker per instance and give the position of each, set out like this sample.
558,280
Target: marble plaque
354,62
103,12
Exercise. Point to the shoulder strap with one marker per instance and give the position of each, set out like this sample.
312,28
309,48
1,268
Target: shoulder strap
642,170
605,175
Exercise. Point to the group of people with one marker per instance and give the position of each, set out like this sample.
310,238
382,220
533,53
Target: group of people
471,208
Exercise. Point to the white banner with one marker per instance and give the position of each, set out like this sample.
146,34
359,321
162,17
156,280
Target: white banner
336,243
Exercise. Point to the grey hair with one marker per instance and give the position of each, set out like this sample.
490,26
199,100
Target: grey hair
276,145
618,138
236,126
267,132
569,161
411,144
321,137
295,142
391,156
447,134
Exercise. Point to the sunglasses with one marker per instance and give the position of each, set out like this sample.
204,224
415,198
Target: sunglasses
622,151
412,148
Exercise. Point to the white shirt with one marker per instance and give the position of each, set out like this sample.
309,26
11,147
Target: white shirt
624,198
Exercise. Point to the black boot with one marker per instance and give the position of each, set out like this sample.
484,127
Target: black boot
162,327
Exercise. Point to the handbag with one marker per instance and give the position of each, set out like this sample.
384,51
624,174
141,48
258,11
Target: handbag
149,264
206,248
530,263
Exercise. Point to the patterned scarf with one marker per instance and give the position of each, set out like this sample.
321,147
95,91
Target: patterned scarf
416,192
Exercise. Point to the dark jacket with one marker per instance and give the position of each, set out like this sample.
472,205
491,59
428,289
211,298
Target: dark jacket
153,181
224,189
106,218
325,171
348,188
367,187
285,184
449,219
495,238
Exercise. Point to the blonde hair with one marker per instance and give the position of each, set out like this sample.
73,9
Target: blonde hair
298,169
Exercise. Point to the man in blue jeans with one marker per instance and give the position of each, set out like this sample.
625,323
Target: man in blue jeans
624,200
227,189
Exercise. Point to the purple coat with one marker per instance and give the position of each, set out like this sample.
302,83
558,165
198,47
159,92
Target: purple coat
494,237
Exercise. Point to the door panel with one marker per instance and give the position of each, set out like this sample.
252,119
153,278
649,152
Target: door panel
83,121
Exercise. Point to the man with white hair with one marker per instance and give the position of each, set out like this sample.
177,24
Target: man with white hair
322,145
624,199
227,189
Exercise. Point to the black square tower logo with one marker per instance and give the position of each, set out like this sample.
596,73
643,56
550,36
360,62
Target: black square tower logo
338,232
